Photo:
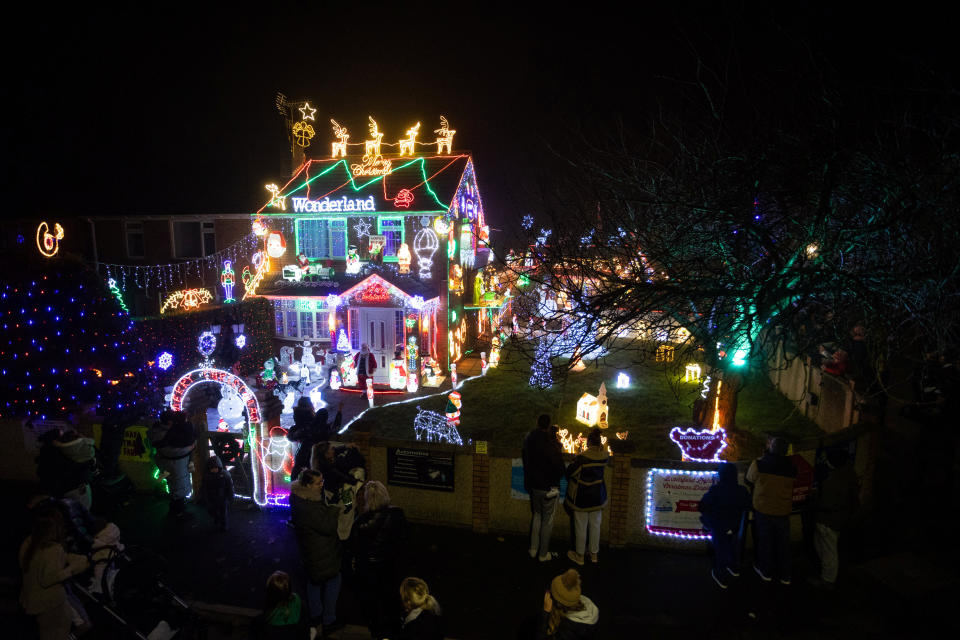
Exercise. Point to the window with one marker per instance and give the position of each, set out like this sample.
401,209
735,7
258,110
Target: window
338,238
306,324
278,316
293,322
187,240
134,232
398,322
209,239
354,329
323,331
292,325
313,239
392,230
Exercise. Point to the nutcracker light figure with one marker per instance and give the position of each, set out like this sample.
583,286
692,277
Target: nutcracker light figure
228,280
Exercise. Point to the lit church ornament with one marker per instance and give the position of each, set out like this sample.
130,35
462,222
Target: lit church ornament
592,410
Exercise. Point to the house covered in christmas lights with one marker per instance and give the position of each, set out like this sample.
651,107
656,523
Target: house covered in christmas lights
376,248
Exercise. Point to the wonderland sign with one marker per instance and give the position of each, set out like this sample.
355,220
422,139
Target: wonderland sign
306,205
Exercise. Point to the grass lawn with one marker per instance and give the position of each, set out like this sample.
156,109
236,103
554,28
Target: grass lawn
655,402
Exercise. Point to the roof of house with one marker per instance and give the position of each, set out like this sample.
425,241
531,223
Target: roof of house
343,283
432,181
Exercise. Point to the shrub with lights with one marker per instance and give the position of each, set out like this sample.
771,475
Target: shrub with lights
66,342
171,340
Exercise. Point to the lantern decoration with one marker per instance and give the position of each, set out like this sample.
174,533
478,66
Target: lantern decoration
49,243
425,245
228,280
592,410
276,245
623,381
206,343
692,373
403,258
664,353
370,392
453,409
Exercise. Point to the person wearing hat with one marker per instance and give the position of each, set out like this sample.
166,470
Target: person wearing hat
567,613
771,478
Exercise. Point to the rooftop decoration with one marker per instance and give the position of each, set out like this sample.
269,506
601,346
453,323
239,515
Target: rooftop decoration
406,144
339,148
444,136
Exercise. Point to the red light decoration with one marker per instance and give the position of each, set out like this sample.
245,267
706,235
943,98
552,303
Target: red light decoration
207,374
376,292
404,198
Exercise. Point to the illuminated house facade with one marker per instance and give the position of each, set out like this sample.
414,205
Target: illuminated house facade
376,250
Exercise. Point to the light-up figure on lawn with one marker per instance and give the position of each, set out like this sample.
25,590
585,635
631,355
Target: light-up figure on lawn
398,371
228,280
412,355
453,409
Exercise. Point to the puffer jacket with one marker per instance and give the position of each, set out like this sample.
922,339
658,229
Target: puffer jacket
772,479
542,461
586,487
315,523
378,535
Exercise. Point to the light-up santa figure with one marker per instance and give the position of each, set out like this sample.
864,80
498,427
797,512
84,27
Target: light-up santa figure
276,245
453,409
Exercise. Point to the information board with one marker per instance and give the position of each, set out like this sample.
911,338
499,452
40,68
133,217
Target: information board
673,501
420,468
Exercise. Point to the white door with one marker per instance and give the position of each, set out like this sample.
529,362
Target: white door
379,331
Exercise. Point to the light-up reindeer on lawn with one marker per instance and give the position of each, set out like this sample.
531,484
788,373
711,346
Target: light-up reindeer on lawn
371,148
342,135
445,136
406,144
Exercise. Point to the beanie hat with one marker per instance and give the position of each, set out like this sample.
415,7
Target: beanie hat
565,588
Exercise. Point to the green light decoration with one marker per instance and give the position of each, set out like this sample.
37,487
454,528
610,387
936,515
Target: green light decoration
523,280
116,294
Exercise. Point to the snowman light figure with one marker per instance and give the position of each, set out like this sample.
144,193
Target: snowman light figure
288,401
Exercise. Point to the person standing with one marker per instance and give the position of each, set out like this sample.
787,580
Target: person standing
46,565
378,535
304,432
771,477
724,507
542,470
834,503
315,524
173,437
365,363
217,491
586,496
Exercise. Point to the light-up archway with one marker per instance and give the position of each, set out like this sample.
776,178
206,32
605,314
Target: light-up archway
261,437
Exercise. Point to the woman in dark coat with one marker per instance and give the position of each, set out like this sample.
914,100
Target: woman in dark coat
377,537
315,523
586,496
310,428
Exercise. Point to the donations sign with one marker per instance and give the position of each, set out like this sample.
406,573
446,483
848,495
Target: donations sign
673,500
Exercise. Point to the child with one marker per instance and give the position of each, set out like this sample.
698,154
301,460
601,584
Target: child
723,508
217,491
106,544
422,620
283,612
567,613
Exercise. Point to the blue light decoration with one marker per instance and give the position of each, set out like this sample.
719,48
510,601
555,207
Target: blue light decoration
343,344
207,343
240,341
672,512
527,222
541,375
165,360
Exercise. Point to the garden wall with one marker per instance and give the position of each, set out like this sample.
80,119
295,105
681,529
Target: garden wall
828,400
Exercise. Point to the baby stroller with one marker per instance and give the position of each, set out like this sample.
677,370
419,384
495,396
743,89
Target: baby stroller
134,600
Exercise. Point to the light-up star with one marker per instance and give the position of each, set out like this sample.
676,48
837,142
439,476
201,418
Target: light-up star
307,111
362,228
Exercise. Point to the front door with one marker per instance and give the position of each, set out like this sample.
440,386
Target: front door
379,331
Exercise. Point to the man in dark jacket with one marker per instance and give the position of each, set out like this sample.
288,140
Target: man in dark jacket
834,502
542,470
771,478
315,523
724,507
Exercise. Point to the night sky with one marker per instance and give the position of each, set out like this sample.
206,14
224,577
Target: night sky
153,110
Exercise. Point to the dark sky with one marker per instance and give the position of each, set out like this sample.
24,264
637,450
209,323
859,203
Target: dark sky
153,109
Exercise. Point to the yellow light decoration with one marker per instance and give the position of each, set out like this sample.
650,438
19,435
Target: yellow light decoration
444,136
716,407
441,226
186,300
406,144
373,163
307,111
592,410
252,280
622,435
339,148
276,200
692,373
49,243
302,134
665,353
371,148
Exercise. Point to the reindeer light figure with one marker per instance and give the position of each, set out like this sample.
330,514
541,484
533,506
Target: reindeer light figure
406,144
371,148
342,135
276,200
445,136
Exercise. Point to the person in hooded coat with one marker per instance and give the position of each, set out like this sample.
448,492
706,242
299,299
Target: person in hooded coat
586,496
724,507
567,613
217,491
